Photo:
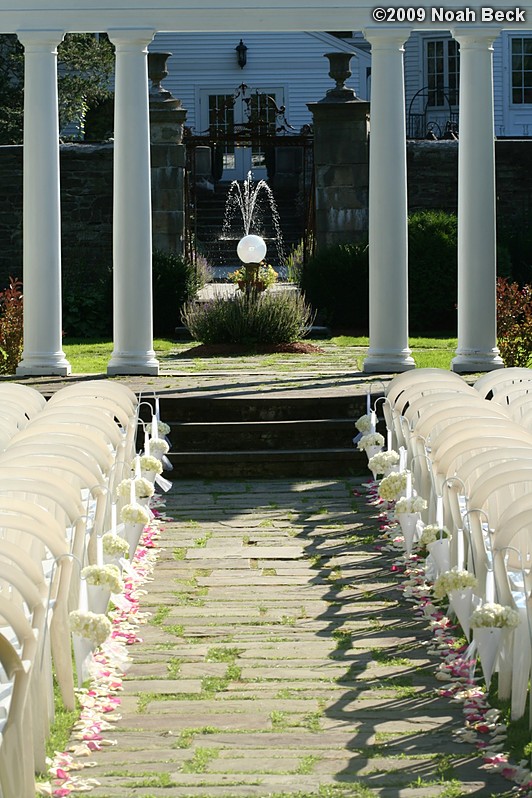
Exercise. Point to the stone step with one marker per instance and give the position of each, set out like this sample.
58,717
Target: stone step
262,407
264,435
237,464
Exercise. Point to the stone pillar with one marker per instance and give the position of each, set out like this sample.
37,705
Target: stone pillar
41,212
477,309
340,123
132,281
167,160
388,220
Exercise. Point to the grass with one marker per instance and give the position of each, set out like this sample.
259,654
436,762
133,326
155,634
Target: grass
427,352
91,356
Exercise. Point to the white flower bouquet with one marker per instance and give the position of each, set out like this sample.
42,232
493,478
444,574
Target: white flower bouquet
494,615
431,533
143,488
371,439
150,463
158,446
134,514
453,580
104,576
114,546
382,461
414,504
363,424
162,428
392,486
92,625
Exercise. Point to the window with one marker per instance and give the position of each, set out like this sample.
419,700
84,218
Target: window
521,70
442,59
222,123
262,110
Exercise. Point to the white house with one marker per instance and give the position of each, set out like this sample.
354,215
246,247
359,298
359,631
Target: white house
432,72
204,74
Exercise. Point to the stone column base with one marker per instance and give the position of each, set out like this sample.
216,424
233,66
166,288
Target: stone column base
388,362
44,365
471,361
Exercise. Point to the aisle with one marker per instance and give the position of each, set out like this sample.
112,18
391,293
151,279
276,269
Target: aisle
280,659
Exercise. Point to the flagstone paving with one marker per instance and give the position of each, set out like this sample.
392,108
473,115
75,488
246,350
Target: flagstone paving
280,659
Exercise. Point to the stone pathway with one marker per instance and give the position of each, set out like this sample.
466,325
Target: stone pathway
281,660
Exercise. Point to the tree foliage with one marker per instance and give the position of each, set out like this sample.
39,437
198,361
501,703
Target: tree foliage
514,322
11,326
85,67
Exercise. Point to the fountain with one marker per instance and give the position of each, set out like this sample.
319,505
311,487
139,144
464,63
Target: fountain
246,205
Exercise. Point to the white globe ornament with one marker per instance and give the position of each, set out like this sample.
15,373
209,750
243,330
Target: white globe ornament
251,249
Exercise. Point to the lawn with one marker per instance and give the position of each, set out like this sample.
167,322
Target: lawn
341,353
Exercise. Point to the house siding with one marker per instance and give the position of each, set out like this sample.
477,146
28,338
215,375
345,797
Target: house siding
291,62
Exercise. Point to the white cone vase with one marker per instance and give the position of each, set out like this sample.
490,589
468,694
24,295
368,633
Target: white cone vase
83,648
488,640
461,602
408,523
113,559
441,555
98,598
394,469
149,475
132,533
371,450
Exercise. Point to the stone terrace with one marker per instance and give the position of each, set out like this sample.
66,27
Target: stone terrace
280,659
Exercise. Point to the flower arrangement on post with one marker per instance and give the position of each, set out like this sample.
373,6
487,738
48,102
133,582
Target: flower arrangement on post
90,625
392,486
371,443
114,546
407,511
383,462
143,488
163,428
431,533
488,623
134,514
452,581
107,576
102,580
459,586
158,447
89,630
364,424
413,504
134,518
494,616
149,464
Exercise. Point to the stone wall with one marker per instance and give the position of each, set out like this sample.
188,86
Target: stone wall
86,196
433,176
86,207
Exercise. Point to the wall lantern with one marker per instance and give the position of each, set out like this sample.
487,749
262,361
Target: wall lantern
241,54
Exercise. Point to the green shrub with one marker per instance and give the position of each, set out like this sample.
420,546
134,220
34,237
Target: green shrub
11,326
432,271
88,307
175,282
514,322
335,282
268,318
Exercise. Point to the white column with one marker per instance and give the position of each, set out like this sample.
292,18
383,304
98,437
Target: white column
477,315
42,353
132,235
388,223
